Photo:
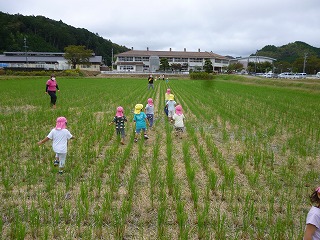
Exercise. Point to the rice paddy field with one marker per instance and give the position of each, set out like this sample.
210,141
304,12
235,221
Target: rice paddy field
243,169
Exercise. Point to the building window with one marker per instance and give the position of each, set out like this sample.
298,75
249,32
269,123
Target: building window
126,68
180,59
196,60
126,59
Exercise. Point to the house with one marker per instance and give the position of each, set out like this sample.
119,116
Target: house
44,61
149,61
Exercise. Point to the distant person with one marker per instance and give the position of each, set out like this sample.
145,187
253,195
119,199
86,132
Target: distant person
312,229
178,119
171,106
59,136
150,82
149,110
119,120
51,89
140,119
163,77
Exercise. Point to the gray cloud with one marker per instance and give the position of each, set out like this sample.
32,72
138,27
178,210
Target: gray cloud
228,27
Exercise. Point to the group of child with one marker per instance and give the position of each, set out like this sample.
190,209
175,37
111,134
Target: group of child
60,134
146,117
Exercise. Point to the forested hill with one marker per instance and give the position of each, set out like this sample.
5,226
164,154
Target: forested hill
290,52
46,35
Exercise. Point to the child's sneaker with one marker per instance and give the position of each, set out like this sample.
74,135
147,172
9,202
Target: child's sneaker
56,163
146,136
60,172
135,140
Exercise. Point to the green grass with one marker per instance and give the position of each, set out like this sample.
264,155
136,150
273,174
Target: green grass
243,169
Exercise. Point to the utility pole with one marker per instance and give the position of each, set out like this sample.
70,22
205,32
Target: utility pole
304,62
25,50
111,59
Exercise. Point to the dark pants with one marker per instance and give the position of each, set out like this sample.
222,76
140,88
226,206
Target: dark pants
53,97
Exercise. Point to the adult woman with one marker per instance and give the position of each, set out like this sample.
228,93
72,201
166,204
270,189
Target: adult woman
51,88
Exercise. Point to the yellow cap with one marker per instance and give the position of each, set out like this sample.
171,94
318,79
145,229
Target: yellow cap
137,108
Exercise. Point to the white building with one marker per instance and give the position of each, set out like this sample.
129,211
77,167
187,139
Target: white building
255,59
44,61
149,61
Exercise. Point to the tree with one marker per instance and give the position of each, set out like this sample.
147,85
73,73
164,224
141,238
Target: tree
208,68
235,67
164,64
77,55
176,66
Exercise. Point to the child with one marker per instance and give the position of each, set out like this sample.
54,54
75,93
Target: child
178,118
171,106
140,118
150,112
312,230
166,99
119,120
59,136
167,95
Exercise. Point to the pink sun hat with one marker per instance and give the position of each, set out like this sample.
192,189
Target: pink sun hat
179,110
150,102
119,111
61,123
168,91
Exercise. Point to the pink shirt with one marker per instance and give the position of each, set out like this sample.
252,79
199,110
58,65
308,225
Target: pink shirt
52,85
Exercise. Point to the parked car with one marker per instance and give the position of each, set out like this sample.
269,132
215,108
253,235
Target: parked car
286,75
318,75
300,75
270,75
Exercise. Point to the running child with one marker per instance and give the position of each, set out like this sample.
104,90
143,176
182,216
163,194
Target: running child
59,136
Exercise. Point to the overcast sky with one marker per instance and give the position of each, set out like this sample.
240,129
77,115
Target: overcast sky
226,27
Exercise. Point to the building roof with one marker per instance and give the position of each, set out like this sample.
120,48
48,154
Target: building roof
168,54
255,57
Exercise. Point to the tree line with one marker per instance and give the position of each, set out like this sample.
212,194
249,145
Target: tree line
20,33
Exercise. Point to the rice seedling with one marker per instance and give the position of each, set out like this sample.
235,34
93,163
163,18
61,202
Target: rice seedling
243,137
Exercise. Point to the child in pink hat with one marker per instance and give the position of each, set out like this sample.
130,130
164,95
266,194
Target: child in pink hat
119,120
149,110
59,136
178,119
312,229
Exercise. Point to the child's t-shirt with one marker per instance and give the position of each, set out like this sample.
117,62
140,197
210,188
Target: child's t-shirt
171,105
140,120
149,109
60,140
119,121
178,120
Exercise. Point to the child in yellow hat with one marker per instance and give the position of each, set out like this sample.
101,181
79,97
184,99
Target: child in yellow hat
140,119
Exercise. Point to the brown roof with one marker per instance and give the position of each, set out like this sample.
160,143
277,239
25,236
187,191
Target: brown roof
168,54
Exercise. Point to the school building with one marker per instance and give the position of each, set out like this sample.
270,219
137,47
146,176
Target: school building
149,61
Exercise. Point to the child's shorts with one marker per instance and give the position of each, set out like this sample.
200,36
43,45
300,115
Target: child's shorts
179,129
120,131
138,130
62,159
170,113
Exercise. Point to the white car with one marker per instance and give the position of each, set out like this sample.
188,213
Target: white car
300,75
318,75
286,75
